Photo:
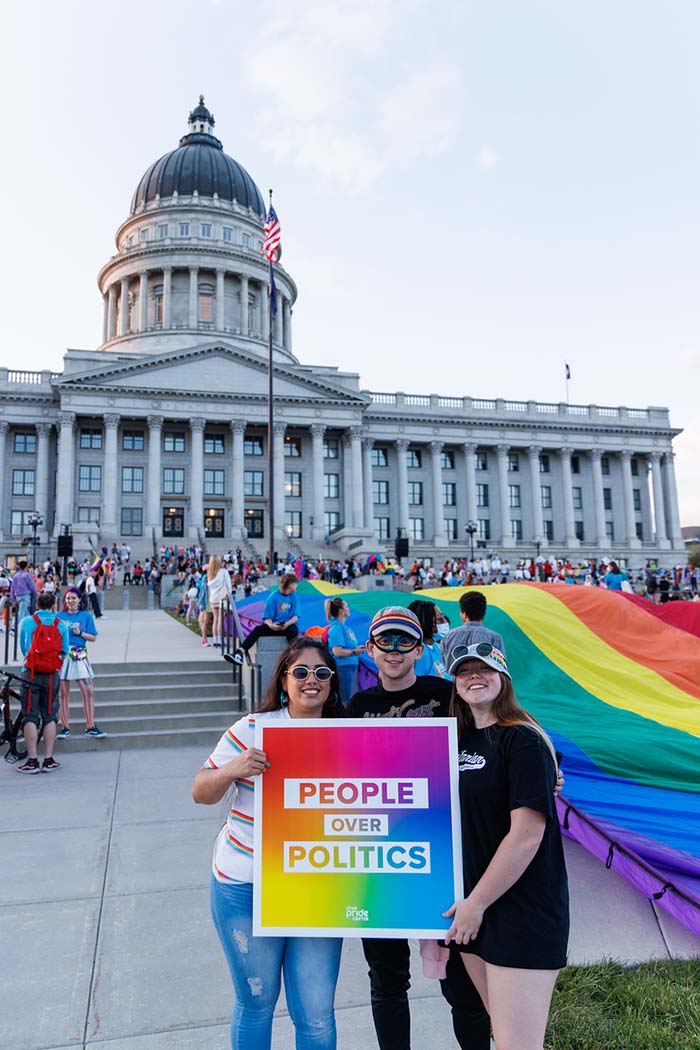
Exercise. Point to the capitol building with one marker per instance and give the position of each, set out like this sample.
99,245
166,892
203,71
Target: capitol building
160,434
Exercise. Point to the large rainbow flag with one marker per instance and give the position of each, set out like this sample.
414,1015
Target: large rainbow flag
618,689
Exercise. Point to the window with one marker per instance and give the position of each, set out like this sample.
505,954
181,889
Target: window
174,481
292,524
246,240
416,530
206,305
253,483
91,438
253,446
546,496
450,527
292,484
413,458
449,494
174,441
214,443
331,520
331,486
605,466
514,496
548,530
575,465
637,499
578,530
132,521
292,446
162,231
381,528
330,448
482,495
205,229
610,530
380,457
484,531
415,493
214,482
130,242
89,515
380,491
89,478
25,442
544,463
607,499
514,462
227,234
132,479
639,530
19,522
143,235
577,494
447,460
133,440
634,467
214,521
481,460
184,229
516,529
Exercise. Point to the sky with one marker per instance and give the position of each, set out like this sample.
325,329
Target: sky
472,194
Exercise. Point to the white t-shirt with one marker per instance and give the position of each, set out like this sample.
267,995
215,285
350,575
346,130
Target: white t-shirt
233,849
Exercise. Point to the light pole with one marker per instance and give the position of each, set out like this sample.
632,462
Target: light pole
538,543
471,528
36,521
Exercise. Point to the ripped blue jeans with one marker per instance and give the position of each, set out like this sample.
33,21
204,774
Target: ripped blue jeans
310,966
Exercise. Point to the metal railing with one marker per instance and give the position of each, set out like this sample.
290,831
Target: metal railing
9,626
232,635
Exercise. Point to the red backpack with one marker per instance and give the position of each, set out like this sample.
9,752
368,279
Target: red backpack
44,656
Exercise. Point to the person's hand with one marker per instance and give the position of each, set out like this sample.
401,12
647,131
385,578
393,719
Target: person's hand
560,782
250,763
466,921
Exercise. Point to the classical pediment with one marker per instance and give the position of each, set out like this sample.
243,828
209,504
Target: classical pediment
214,372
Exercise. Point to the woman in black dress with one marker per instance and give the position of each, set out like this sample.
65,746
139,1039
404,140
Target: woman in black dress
513,925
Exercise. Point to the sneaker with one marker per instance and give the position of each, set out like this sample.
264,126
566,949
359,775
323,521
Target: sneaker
30,765
49,764
237,657
95,731
63,734
204,642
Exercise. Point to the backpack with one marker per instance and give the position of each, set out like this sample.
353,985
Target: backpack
44,656
319,632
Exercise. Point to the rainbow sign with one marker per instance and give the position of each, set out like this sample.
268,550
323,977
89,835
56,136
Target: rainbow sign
357,828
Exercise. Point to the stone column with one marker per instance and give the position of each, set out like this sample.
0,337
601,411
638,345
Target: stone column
194,297
124,307
601,538
402,483
367,446
277,320
220,300
503,501
111,311
287,324
143,301
41,501
108,521
197,425
671,493
534,452
237,494
567,496
659,502
265,318
356,457
4,503
317,432
439,538
65,474
470,475
278,430
154,480
167,296
105,318
630,529
244,304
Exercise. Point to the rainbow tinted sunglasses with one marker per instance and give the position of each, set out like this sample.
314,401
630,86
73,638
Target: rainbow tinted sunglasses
395,642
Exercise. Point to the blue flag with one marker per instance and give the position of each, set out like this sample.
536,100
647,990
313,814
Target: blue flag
273,292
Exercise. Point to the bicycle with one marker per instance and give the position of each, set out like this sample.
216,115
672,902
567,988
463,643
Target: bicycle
11,732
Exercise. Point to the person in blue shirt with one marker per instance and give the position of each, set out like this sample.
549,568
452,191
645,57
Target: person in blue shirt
430,661
39,696
343,644
615,577
77,666
280,616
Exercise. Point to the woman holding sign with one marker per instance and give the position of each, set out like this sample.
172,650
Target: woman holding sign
305,685
513,925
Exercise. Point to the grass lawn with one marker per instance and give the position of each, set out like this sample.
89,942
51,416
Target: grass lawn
192,626
655,1006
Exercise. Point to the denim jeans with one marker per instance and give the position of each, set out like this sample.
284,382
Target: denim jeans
310,966
347,678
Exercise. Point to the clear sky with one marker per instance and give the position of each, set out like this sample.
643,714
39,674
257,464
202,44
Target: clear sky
471,193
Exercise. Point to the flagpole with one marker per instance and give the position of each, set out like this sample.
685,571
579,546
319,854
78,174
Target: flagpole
270,436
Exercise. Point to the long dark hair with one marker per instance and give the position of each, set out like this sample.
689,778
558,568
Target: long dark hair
425,611
272,701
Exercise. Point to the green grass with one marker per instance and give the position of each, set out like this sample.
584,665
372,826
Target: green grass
193,625
655,1006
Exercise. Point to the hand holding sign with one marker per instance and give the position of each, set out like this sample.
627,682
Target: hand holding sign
248,764
468,916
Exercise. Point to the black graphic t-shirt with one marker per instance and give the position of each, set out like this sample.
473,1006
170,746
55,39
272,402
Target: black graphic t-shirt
428,697
503,768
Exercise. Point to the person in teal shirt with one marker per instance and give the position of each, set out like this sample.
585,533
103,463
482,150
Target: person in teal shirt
430,661
279,617
343,644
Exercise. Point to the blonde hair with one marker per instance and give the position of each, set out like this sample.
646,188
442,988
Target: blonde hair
213,566
507,712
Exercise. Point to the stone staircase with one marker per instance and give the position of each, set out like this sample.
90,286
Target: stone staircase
156,705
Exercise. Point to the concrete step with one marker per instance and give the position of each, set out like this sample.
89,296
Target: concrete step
161,668
204,736
148,724
136,708
109,692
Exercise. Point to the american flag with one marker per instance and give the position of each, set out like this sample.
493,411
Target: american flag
273,236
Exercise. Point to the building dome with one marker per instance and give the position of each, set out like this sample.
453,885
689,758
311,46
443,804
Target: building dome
198,165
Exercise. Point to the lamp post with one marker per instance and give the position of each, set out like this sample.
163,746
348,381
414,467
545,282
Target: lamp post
36,521
471,529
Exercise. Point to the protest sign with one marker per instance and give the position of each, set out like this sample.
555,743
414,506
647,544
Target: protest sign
357,828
